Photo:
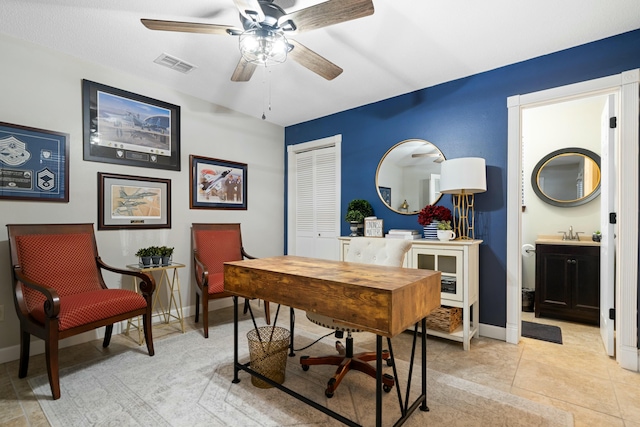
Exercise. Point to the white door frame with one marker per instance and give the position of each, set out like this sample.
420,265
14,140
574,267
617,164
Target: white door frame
627,85
292,150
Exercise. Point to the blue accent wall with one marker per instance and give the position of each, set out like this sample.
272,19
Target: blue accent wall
464,118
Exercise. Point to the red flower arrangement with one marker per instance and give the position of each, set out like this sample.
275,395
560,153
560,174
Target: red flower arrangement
431,213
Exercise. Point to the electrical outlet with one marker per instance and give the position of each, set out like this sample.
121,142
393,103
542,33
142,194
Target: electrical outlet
1,313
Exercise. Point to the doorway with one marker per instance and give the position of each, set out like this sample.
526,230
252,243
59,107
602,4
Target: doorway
573,125
627,85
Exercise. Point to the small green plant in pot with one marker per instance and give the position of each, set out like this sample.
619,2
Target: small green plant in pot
156,255
166,253
444,225
445,231
145,256
357,211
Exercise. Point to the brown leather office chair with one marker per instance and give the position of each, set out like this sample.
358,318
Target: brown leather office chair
59,290
366,250
213,245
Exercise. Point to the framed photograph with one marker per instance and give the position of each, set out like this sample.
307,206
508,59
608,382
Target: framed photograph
129,129
217,184
385,193
133,202
373,228
34,164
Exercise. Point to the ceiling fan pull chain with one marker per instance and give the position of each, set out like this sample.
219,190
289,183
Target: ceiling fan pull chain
266,82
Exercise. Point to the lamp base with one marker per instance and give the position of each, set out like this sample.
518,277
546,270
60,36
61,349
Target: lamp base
463,216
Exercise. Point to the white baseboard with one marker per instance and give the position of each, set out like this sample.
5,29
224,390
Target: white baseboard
495,332
629,358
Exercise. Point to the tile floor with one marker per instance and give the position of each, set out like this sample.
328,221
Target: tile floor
576,376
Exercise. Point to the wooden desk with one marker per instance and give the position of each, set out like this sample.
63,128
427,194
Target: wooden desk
382,300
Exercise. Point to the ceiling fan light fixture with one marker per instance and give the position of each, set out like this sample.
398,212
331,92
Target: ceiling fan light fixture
264,46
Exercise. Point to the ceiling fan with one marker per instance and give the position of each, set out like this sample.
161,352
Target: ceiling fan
264,25
438,156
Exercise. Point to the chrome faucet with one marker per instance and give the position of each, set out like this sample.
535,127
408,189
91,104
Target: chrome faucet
572,235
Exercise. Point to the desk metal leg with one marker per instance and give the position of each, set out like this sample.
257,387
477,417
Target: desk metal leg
420,402
235,341
424,406
378,381
292,323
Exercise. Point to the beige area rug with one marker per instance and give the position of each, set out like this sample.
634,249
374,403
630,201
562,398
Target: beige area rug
188,383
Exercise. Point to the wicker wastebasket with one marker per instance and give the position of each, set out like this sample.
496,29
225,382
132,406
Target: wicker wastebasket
268,354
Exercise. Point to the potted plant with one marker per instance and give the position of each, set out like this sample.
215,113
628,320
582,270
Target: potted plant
445,232
156,255
145,256
430,216
357,211
166,253
596,236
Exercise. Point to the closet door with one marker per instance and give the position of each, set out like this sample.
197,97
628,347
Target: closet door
314,203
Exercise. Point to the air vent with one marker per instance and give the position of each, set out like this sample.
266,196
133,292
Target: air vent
174,63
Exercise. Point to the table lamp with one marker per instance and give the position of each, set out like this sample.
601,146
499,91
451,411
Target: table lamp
462,178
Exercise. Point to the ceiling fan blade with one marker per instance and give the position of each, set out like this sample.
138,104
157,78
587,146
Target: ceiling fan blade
187,27
243,72
425,155
250,9
325,14
314,62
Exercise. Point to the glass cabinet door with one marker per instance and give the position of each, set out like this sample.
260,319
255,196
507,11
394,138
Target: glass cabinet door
447,262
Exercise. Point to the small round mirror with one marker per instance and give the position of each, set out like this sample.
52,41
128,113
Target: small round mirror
408,176
567,177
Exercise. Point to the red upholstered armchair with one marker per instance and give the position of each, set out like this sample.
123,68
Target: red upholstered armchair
213,245
60,292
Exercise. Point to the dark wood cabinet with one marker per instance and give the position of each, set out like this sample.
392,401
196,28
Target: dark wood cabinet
568,282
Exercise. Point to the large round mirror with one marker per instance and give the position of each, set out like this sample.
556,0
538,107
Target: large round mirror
567,177
408,176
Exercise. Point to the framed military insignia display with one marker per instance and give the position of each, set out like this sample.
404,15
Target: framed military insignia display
34,164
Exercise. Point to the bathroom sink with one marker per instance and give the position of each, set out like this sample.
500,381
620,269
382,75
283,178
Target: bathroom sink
556,239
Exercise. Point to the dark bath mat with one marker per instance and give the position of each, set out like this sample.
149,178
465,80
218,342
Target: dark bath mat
542,332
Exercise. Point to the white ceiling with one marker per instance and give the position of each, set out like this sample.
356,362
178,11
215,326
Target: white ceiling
404,46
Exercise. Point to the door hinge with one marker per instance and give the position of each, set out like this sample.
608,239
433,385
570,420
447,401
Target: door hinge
613,122
612,313
613,217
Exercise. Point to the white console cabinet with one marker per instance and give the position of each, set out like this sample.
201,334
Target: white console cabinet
458,261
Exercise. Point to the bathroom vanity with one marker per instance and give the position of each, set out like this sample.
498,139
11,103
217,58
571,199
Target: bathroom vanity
568,279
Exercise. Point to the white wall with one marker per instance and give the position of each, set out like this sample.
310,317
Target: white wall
42,89
545,129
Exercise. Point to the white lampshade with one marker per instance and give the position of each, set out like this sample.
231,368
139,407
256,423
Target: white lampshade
465,175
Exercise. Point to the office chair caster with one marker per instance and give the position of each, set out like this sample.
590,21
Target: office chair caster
304,367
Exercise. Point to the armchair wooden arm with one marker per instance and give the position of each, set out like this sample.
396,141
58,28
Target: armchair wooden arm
147,283
52,299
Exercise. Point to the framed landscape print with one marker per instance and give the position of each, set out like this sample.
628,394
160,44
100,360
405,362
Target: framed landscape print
34,164
129,129
133,202
217,184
